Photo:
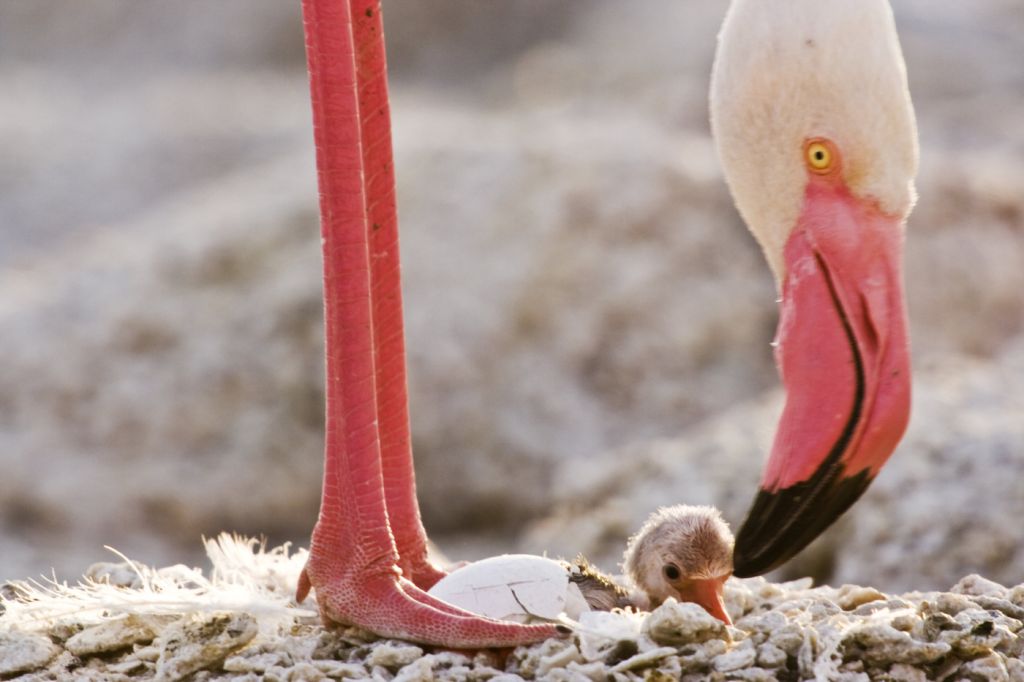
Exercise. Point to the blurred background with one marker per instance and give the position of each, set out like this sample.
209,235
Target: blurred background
588,319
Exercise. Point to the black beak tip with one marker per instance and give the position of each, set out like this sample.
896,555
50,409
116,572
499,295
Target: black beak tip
757,552
745,566
781,523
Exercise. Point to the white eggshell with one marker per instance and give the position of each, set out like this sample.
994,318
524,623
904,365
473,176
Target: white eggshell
512,587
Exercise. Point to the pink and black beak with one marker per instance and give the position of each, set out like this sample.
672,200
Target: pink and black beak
843,354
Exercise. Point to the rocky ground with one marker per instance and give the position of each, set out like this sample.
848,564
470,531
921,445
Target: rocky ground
131,622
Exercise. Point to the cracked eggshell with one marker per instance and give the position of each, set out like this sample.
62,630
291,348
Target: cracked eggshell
516,587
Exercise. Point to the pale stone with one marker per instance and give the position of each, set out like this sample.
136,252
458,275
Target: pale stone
789,638
881,643
150,654
771,656
977,586
753,675
646,659
1015,669
24,652
255,663
200,642
393,656
901,672
340,670
419,670
1007,607
559,659
695,657
112,636
850,597
304,671
130,665
683,623
594,671
991,668
742,656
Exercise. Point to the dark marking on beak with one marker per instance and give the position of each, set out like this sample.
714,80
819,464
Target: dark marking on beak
780,523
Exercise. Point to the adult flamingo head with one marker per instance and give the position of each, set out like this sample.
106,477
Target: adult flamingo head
816,134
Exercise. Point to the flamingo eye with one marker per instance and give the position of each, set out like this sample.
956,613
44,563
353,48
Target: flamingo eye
819,155
671,572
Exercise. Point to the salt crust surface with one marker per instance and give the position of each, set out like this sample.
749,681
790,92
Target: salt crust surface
125,621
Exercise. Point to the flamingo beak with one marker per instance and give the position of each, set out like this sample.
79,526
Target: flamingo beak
843,354
707,592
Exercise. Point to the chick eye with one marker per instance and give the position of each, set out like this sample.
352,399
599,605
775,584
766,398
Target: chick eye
819,156
671,572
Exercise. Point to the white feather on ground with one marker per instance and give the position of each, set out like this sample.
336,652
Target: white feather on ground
125,621
245,577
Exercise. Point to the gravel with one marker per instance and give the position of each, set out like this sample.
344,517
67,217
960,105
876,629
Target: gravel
782,631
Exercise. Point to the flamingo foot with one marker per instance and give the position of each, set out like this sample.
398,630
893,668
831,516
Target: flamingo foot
391,606
423,573
411,543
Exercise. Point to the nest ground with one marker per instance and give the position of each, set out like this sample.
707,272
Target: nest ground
126,621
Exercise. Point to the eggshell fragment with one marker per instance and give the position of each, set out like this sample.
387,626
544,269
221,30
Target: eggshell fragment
516,587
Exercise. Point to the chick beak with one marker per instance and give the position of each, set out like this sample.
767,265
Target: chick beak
708,593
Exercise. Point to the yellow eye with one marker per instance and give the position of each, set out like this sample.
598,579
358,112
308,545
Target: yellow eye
819,156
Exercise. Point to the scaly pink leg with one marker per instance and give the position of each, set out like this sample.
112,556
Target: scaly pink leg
386,290
354,562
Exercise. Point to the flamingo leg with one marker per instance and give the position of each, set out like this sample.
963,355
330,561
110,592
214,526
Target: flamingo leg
386,295
368,513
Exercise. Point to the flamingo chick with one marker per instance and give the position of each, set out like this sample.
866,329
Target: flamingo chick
683,552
